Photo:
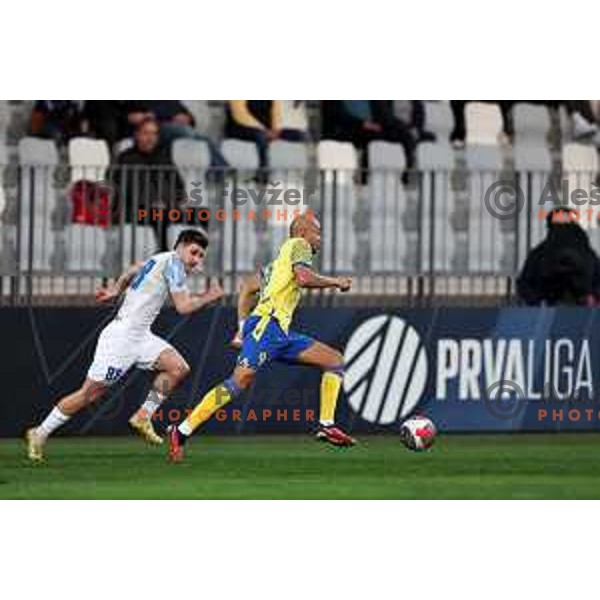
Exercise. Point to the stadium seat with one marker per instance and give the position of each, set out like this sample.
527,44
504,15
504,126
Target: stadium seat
7,229
486,244
436,163
84,246
288,155
38,159
288,165
531,123
566,126
138,242
192,159
337,162
3,165
240,154
580,166
88,159
438,118
4,119
387,206
533,165
239,239
484,123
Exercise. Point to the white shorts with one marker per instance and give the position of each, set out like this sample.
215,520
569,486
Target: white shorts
119,348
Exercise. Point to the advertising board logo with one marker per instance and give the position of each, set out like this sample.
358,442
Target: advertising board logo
386,369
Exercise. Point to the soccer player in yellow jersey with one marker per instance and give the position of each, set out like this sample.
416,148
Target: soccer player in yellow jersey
266,336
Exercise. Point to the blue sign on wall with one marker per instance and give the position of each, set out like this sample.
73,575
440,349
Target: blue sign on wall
468,369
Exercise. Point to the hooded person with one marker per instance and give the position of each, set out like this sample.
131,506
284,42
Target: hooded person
562,269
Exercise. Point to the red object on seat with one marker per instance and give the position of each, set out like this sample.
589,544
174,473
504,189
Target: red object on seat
91,204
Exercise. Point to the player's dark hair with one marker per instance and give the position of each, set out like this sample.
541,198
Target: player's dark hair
192,236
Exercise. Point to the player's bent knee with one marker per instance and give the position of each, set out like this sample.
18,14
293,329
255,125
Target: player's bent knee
243,380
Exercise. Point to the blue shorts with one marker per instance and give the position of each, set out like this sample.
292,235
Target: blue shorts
264,340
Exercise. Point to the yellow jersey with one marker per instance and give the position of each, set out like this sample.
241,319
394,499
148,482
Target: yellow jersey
279,293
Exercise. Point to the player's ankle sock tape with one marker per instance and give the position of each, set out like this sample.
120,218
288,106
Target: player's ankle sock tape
233,389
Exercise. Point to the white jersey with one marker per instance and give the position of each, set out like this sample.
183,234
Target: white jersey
148,291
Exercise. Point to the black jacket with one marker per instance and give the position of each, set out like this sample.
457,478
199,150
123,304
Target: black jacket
563,269
147,181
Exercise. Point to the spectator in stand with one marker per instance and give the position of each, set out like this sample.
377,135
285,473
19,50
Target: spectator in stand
175,122
56,119
145,178
260,121
413,116
364,121
294,120
563,269
107,120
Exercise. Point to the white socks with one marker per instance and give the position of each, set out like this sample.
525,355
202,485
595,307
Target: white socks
326,423
185,428
151,404
53,421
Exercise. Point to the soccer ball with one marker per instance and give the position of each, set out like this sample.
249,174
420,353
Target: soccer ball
418,433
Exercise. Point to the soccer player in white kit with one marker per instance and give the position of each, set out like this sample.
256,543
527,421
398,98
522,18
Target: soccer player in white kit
127,340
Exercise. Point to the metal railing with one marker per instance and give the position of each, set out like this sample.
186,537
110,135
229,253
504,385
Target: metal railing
420,237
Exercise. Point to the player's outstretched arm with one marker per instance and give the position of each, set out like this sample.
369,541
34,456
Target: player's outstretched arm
187,302
307,278
110,293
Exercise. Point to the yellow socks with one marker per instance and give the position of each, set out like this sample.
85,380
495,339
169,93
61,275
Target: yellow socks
222,394
330,389
217,398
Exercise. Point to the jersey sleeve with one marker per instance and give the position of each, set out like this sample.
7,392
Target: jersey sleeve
301,253
175,277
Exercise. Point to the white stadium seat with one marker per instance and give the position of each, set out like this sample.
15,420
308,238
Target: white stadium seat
7,232
240,154
484,123
436,162
38,159
533,165
3,165
531,122
387,205
239,241
338,163
85,246
4,119
288,163
192,159
485,240
88,159
438,118
580,166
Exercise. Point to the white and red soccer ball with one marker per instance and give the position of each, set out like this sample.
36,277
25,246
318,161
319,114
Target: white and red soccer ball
418,433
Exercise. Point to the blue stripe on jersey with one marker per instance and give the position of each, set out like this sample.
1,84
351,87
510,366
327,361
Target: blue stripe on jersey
174,274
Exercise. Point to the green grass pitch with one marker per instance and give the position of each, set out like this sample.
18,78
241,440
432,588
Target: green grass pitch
487,466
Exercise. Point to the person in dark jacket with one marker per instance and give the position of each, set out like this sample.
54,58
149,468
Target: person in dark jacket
145,178
175,121
563,269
